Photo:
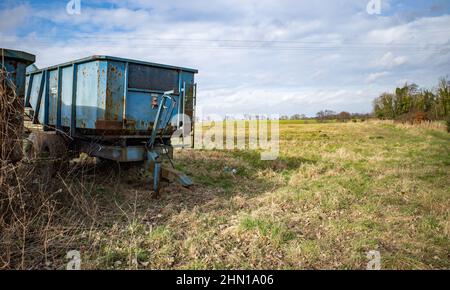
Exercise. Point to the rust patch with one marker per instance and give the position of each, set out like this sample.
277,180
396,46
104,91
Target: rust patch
130,124
108,125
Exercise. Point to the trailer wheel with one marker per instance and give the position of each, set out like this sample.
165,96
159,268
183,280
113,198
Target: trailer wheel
48,150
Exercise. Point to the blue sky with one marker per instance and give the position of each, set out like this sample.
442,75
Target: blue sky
254,56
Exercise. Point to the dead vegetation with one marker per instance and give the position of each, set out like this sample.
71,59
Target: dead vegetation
10,119
336,192
79,207
36,221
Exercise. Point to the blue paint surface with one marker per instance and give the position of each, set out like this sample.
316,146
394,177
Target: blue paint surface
103,96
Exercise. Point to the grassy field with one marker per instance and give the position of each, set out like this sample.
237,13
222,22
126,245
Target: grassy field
337,191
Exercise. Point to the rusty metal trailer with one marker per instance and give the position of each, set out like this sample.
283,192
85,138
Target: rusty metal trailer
113,108
13,65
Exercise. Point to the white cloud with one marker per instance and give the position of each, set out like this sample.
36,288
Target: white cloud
389,60
277,56
375,76
12,18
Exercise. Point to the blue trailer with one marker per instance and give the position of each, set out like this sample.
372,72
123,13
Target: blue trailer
13,64
112,108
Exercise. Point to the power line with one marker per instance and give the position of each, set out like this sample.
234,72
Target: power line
242,42
178,45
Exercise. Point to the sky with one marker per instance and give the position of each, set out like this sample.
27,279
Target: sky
254,56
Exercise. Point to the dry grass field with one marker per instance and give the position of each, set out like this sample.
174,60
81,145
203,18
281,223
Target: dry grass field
337,191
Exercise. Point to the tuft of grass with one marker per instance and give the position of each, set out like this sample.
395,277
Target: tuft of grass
274,231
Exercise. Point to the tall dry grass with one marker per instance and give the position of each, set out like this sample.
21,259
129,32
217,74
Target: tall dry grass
40,215
429,125
11,123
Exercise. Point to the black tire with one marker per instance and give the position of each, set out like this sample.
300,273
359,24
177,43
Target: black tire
48,150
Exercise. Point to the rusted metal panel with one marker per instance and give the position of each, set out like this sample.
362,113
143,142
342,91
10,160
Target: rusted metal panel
41,109
115,91
66,96
116,153
34,90
53,97
108,125
125,60
153,78
116,95
88,80
19,56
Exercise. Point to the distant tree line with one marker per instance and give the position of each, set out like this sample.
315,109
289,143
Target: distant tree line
414,104
329,115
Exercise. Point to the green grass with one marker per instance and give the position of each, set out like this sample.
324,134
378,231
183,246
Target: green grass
266,228
337,191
